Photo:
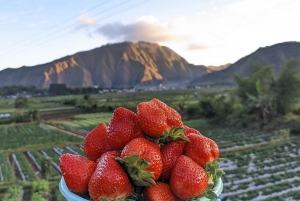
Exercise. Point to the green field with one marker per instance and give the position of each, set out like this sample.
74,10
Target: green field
249,169
18,141
32,136
259,165
87,121
171,97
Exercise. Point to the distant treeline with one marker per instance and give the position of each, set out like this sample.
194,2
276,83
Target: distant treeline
20,89
54,89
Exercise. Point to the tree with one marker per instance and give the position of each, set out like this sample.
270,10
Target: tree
88,103
268,95
34,115
21,102
264,101
264,74
257,91
287,87
57,89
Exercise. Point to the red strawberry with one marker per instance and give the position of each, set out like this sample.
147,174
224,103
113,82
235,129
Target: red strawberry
77,171
155,117
142,160
188,179
169,154
190,130
95,143
109,181
201,149
159,192
122,128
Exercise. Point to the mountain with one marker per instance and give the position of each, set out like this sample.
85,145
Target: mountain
124,64
211,69
277,55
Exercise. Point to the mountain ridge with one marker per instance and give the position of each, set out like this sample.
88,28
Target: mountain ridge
124,64
278,55
142,64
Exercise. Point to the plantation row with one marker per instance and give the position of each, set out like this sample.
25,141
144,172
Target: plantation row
87,122
222,136
27,166
32,136
268,173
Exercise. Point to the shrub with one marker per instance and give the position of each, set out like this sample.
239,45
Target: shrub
37,197
217,107
13,193
192,110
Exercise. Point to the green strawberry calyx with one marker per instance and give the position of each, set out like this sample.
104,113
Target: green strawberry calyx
135,168
213,171
175,134
214,174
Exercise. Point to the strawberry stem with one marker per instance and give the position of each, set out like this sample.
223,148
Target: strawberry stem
135,168
175,134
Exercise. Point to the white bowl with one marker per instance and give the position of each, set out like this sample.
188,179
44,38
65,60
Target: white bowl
70,196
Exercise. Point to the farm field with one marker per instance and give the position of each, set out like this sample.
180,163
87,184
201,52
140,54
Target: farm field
32,136
171,97
21,156
86,122
258,166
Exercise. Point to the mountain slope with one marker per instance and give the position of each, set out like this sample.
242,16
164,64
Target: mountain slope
277,55
116,65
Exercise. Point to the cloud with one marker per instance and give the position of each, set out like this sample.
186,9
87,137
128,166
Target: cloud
147,28
195,46
86,21
224,35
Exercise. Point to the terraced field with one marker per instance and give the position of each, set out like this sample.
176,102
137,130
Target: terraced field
87,122
22,149
32,136
258,165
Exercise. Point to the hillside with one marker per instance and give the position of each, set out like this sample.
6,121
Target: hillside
277,55
115,65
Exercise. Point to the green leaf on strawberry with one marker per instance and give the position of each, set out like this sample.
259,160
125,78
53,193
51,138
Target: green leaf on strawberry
135,167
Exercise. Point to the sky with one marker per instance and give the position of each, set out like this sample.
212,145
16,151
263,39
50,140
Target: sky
204,32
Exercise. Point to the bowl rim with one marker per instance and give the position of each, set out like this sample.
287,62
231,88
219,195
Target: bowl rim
70,196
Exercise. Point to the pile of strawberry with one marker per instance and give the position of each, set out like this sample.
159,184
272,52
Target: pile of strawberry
150,155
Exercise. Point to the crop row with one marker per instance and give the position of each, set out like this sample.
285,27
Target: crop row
230,138
87,121
7,171
17,165
20,137
27,170
262,173
39,158
25,166
267,191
